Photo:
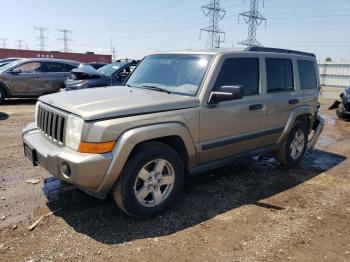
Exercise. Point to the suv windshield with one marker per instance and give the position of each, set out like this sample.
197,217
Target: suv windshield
175,73
109,70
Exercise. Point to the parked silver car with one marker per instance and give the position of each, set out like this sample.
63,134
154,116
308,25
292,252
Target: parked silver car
34,77
179,114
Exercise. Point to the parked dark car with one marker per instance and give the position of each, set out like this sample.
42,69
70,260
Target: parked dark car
96,65
110,75
343,106
6,61
34,77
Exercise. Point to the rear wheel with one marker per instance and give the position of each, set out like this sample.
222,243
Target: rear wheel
150,180
2,96
293,147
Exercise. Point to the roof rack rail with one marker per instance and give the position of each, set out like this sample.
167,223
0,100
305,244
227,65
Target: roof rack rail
277,50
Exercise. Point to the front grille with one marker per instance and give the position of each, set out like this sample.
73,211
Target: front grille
51,124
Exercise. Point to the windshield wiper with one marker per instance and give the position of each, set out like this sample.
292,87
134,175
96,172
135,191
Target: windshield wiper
155,88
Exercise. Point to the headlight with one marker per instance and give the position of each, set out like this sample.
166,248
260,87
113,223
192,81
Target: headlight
73,132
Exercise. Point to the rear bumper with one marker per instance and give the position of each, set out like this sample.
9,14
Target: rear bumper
86,170
318,128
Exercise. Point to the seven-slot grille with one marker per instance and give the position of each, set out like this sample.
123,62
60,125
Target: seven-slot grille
51,124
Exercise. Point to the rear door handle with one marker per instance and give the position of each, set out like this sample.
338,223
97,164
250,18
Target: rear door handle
256,107
294,101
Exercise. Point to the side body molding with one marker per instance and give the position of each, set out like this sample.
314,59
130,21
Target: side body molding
298,111
129,139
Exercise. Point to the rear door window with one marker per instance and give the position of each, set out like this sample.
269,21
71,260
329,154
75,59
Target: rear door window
240,71
55,67
307,74
68,67
279,74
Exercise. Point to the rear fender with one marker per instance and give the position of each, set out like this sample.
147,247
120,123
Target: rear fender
296,112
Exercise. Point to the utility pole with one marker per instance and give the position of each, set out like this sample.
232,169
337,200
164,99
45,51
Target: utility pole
65,39
20,44
113,51
215,12
253,18
42,38
4,42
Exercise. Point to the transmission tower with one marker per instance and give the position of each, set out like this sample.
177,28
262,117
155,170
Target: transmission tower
21,45
65,39
4,42
253,18
113,51
42,38
215,12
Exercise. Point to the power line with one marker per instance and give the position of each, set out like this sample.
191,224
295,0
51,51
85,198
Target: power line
215,13
253,18
65,39
42,38
21,45
4,42
134,17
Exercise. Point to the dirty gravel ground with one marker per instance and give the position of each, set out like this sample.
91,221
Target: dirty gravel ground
253,210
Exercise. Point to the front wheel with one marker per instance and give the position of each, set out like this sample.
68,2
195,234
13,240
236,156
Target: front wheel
150,180
2,96
293,147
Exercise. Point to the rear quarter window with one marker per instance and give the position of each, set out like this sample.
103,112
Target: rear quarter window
307,74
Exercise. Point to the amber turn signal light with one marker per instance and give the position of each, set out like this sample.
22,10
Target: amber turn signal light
96,148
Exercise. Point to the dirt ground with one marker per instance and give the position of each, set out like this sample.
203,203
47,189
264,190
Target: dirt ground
253,210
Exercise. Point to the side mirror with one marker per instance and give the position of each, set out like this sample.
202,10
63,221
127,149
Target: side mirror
226,93
16,71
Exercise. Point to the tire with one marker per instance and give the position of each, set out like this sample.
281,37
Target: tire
297,138
2,95
340,112
137,193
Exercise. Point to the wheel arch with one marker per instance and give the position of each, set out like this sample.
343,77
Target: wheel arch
5,88
174,134
304,113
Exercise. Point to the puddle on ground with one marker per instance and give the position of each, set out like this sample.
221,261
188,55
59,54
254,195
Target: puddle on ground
329,120
325,161
54,188
265,159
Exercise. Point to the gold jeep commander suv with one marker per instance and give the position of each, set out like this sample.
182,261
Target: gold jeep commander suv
178,114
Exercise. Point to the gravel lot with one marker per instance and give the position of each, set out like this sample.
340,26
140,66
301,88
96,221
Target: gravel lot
253,210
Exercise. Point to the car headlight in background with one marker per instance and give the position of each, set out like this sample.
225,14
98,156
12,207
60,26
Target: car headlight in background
73,132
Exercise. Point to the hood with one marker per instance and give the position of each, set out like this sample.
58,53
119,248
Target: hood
84,72
109,102
71,84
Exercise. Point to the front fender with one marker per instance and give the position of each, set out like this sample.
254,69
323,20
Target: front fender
131,138
294,114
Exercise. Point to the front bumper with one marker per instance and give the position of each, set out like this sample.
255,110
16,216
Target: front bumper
86,170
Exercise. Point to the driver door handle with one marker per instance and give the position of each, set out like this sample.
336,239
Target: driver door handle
294,101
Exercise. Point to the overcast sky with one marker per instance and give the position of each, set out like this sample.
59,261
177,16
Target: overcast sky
140,27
